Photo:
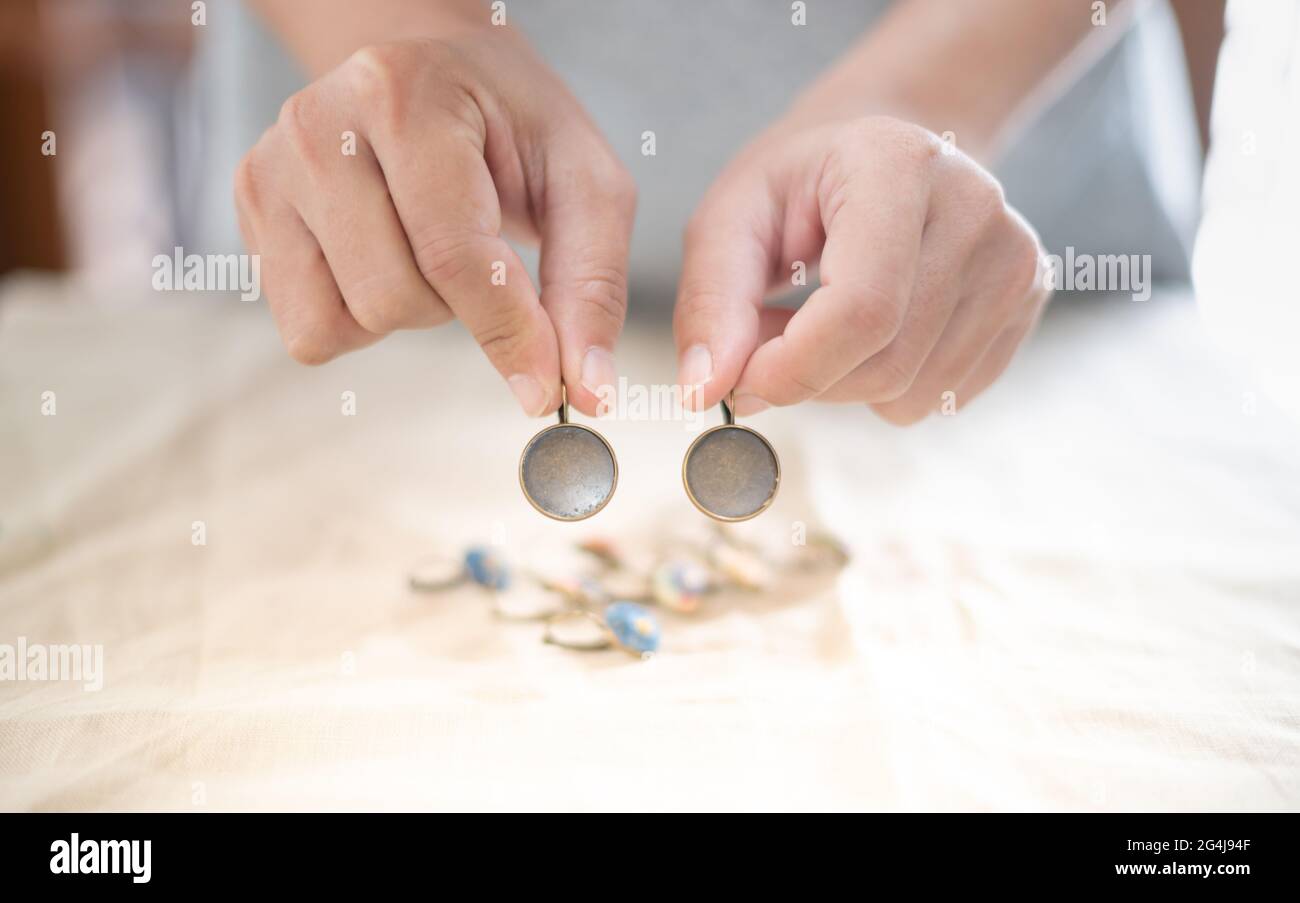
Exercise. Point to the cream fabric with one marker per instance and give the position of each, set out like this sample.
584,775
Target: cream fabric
1080,593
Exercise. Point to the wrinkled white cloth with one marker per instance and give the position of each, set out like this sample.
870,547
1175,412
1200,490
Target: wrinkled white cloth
1079,593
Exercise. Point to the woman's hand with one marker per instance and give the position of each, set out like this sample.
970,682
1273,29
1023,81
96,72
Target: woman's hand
379,200
929,281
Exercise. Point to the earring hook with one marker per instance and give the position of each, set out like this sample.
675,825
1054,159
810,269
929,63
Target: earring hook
729,408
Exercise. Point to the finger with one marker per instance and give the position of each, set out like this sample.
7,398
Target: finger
948,245
314,322
724,279
308,310
448,206
771,323
1006,291
344,200
994,362
874,222
889,373
489,288
586,230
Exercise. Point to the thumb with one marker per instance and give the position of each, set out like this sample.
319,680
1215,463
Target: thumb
586,231
724,280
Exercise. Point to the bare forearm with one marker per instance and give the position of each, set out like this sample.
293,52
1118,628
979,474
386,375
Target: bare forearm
976,69
323,33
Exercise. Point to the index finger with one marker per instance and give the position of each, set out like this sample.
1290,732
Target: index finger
447,202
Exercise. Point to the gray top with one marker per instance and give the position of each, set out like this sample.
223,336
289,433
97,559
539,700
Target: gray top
1095,173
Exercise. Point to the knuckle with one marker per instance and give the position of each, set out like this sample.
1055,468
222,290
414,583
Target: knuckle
247,192
443,257
378,74
1024,259
1014,290
701,298
603,293
375,68
617,185
294,116
376,315
984,197
502,336
381,309
973,194
297,127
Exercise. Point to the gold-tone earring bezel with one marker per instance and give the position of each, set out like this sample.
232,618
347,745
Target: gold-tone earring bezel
564,424
729,423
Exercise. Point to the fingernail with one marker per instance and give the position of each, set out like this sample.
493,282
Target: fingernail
747,405
530,394
696,371
598,371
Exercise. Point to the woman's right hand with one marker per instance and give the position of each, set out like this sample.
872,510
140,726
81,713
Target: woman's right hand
379,200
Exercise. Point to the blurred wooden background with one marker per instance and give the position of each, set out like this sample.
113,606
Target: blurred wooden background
30,232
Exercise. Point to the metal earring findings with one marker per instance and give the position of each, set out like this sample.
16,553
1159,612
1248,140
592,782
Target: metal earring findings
568,471
731,473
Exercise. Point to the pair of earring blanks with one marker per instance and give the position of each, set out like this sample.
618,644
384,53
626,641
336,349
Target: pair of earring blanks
568,471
